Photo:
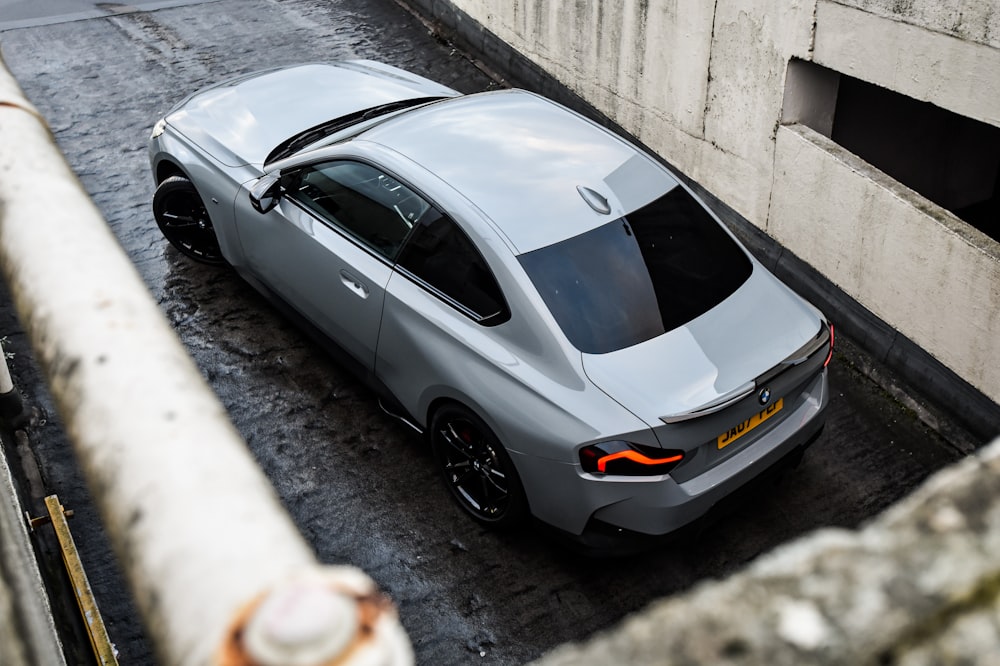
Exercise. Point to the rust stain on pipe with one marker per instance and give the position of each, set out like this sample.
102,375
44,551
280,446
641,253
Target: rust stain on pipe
372,607
28,108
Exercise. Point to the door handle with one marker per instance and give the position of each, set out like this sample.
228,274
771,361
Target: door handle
354,284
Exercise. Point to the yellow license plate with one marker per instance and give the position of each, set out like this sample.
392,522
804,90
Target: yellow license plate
737,431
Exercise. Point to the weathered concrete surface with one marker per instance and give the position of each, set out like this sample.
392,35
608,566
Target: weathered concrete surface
912,261
706,94
969,20
362,488
27,633
947,70
918,585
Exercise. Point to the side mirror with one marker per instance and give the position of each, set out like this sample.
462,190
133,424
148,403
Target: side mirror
265,193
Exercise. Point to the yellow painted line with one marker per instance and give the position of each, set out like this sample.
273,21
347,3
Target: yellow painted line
96,631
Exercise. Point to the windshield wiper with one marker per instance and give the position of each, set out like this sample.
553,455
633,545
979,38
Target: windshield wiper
314,134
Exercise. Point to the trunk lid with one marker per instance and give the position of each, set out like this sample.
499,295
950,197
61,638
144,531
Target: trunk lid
712,359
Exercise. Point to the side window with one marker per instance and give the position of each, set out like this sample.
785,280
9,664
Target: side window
366,203
441,255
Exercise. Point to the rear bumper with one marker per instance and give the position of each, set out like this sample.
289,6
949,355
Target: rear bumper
577,502
600,539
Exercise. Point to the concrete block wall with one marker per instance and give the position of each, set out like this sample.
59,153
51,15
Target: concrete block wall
703,85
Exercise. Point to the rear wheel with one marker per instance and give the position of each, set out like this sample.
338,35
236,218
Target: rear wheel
183,219
476,468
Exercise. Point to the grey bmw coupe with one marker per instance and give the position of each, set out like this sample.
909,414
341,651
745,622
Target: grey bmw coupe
577,334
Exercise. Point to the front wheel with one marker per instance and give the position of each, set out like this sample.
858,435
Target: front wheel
476,468
183,219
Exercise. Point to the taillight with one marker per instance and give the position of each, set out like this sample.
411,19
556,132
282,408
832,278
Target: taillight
830,354
628,459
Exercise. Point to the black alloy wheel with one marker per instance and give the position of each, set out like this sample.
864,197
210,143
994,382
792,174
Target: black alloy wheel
476,468
183,219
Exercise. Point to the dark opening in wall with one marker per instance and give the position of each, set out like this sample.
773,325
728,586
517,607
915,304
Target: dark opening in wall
952,160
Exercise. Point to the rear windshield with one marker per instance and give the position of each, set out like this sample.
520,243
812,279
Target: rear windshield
639,276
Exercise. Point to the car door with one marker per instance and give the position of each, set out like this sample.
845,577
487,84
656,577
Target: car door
327,248
441,307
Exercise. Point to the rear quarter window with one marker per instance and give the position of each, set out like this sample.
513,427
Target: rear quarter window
441,256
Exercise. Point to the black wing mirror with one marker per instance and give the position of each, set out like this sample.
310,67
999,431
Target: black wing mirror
265,193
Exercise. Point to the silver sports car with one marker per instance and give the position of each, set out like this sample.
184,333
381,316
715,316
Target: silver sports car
579,336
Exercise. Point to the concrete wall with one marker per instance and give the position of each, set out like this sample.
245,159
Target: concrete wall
27,632
877,241
703,84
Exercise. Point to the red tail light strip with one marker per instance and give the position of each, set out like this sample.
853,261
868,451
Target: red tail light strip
634,456
830,355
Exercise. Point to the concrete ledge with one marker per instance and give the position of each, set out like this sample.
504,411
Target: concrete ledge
904,258
954,72
924,375
918,585
971,20
883,234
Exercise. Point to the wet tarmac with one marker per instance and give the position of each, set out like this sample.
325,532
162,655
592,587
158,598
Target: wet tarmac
361,486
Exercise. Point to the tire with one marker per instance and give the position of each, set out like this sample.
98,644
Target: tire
477,469
183,220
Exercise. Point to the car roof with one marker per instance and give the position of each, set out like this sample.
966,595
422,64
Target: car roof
521,158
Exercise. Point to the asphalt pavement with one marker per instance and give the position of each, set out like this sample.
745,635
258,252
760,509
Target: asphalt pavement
362,487
34,13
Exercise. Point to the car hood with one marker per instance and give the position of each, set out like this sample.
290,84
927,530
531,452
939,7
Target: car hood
712,357
240,121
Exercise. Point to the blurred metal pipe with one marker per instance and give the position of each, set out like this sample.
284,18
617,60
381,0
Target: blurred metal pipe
194,522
